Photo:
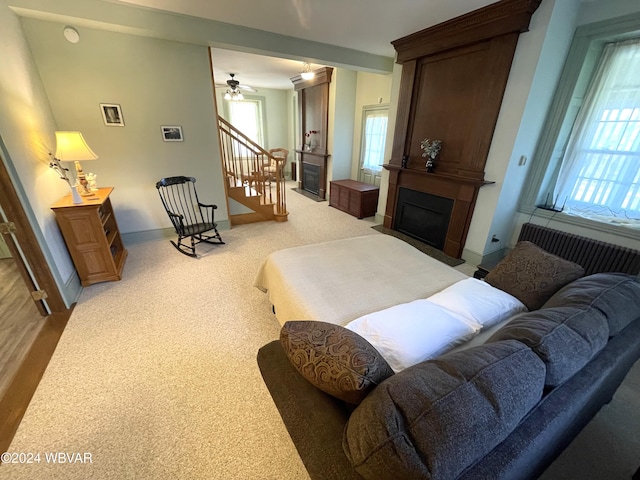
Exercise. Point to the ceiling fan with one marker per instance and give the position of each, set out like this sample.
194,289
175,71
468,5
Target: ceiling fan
234,90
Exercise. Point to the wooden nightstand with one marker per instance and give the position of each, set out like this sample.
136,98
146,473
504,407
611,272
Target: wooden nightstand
91,233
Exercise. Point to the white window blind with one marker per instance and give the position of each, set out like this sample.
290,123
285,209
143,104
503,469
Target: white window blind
375,135
246,116
600,173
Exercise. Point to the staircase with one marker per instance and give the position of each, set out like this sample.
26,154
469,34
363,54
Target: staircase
246,180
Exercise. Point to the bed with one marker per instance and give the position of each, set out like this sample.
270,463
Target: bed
387,273
341,280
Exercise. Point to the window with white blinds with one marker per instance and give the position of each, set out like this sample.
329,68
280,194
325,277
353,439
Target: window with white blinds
246,116
374,138
600,171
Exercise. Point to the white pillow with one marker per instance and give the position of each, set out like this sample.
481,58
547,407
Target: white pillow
478,302
412,332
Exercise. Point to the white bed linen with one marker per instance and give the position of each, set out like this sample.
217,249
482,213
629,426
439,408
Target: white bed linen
413,332
341,280
478,302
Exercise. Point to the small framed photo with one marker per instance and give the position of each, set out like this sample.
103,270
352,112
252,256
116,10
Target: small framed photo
172,133
112,115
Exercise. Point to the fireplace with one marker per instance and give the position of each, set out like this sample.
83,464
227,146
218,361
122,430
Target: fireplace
311,178
448,207
423,216
439,99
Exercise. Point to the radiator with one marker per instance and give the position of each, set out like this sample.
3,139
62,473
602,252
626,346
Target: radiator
593,255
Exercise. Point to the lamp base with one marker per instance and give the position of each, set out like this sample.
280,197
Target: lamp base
83,186
75,196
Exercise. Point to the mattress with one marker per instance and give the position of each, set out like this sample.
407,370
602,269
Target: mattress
341,280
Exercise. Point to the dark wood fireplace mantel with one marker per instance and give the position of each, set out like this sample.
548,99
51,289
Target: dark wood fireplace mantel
453,79
313,106
441,176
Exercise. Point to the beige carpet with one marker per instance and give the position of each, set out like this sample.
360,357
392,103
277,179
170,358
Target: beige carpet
155,376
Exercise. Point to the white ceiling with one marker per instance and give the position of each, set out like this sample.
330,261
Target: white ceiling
363,25
257,71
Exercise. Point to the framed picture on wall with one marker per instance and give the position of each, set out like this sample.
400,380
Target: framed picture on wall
112,115
172,133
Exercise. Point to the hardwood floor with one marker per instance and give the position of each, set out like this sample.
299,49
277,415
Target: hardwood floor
20,322
27,338
27,342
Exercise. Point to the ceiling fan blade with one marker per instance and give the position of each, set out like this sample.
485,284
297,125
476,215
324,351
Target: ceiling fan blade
234,84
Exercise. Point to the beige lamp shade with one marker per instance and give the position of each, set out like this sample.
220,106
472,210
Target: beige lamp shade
71,146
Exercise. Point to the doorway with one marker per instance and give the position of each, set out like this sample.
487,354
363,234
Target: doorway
33,313
20,319
375,119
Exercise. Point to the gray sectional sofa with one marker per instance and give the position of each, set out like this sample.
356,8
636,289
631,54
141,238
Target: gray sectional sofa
501,410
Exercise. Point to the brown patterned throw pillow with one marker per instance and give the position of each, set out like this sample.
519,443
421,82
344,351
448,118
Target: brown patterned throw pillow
334,359
532,275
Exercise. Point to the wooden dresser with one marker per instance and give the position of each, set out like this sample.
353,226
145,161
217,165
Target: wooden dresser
91,233
356,198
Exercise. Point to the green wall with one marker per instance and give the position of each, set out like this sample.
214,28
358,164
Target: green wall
156,82
155,66
372,89
342,95
27,130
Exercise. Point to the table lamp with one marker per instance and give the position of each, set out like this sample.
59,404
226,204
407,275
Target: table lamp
72,147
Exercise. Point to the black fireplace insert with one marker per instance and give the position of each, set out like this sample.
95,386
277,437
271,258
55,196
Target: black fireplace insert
423,216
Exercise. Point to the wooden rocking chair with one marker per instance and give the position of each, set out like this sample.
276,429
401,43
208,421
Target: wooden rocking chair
190,218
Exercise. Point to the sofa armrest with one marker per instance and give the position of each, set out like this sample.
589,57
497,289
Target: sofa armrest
553,424
315,421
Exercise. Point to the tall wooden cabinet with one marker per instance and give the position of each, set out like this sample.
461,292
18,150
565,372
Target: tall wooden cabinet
91,233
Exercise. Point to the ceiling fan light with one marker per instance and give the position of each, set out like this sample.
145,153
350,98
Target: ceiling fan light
307,73
233,92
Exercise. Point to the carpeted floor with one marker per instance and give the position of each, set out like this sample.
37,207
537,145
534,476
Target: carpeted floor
423,247
155,376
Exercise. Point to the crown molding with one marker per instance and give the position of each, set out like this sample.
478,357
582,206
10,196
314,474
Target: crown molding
500,18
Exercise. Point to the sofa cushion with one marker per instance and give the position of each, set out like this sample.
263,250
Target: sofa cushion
532,275
433,420
565,338
616,295
334,359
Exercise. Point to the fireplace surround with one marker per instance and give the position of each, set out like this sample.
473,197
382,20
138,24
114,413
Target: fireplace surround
440,98
462,193
313,112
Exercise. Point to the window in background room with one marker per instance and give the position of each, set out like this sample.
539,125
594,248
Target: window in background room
375,119
246,116
599,176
